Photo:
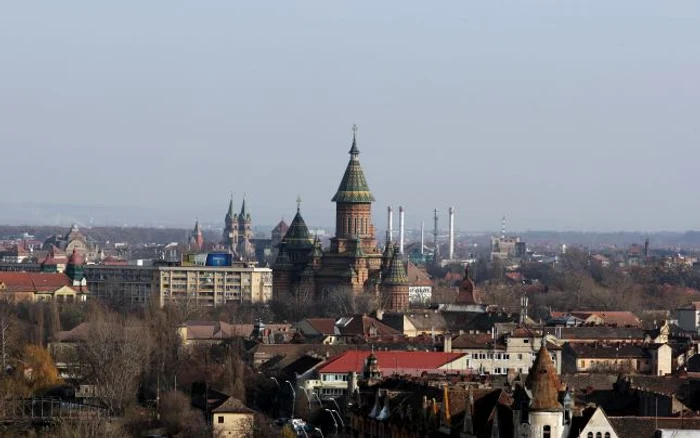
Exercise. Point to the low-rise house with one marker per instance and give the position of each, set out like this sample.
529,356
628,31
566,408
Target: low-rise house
689,317
653,359
68,287
492,354
416,323
212,332
331,378
353,329
597,334
420,286
233,419
597,318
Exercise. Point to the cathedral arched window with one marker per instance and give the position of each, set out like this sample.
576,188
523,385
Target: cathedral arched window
598,435
547,432
590,434
607,434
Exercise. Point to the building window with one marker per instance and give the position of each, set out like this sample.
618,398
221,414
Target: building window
547,432
220,419
590,434
607,434
598,435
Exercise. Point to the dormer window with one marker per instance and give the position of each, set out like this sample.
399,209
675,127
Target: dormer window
547,432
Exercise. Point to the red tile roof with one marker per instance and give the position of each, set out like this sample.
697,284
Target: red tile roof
364,326
33,281
325,326
417,276
401,362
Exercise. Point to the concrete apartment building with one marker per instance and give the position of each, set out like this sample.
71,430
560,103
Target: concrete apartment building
196,285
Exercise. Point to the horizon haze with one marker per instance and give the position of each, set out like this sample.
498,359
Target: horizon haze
561,116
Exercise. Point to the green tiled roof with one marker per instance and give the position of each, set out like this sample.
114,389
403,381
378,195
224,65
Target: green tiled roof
298,235
396,274
353,188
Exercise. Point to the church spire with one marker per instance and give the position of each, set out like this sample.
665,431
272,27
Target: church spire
230,207
244,213
353,187
354,151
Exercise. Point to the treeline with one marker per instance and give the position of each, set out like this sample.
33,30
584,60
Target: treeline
577,284
144,374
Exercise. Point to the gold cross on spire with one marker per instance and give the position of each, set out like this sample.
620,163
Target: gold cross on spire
298,203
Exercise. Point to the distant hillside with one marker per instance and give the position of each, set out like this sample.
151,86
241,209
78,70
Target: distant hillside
108,234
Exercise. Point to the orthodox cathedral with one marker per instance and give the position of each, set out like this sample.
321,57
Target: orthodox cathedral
353,262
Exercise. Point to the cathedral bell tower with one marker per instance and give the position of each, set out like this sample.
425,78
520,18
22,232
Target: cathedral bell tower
353,211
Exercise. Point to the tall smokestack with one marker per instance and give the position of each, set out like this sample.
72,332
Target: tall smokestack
435,236
452,233
390,224
422,238
401,230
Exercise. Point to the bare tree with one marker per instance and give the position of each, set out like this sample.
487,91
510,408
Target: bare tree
113,358
180,419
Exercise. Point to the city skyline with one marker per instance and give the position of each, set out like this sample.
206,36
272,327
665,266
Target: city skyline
519,111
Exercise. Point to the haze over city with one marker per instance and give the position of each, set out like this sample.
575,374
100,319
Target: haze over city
560,115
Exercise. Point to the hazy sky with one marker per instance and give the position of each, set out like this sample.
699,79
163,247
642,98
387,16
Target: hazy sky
559,114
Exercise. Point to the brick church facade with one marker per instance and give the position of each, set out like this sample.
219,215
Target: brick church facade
353,262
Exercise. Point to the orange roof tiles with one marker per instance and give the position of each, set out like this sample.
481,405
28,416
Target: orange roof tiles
33,281
401,362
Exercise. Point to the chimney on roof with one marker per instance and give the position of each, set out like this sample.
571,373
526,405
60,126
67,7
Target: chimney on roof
447,344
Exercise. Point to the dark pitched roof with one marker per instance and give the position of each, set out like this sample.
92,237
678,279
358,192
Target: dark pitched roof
325,326
363,325
597,332
583,350
353,187
644,427
233,405
297,236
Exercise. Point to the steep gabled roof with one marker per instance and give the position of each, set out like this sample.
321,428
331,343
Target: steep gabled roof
353,187
233,406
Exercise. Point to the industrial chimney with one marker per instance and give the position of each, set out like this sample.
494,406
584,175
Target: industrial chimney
452,233
401,230
422,238
435,237
390,224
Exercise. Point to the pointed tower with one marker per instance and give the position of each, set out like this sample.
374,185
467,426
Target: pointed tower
245,224
395,284
230,237
353,213
197,238
546,413
295,251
